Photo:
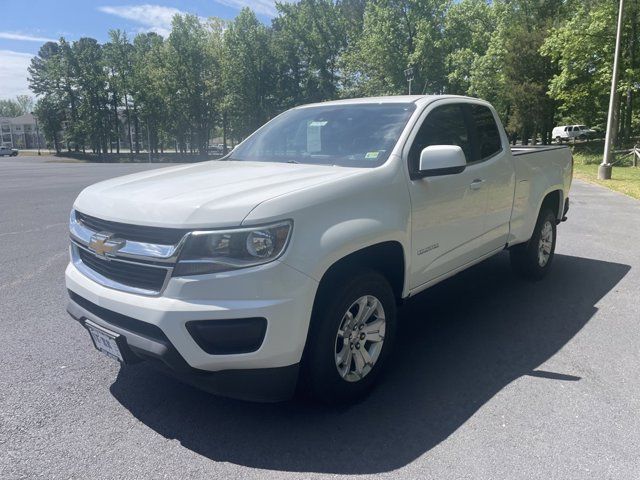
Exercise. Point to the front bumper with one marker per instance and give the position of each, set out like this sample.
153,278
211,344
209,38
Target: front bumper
140,343
156,328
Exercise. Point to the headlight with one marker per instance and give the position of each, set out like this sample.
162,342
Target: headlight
223,250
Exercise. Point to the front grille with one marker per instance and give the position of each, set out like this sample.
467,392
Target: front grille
131,274
136,233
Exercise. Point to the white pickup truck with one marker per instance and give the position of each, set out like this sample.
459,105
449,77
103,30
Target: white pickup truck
283,263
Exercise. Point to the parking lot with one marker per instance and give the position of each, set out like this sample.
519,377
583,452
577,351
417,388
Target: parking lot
492,377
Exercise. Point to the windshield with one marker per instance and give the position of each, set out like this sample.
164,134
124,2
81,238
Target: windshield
357,135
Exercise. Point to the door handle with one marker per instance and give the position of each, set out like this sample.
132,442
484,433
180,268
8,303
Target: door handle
476,184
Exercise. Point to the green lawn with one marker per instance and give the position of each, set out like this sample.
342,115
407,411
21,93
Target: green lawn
624,178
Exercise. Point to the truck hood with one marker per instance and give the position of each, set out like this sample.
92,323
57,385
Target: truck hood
204,195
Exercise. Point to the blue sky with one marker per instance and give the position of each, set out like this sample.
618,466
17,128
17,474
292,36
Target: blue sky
26,25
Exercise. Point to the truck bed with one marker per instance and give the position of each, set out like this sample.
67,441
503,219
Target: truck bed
528,149
550,169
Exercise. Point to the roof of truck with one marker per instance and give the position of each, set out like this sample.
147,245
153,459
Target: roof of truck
421,99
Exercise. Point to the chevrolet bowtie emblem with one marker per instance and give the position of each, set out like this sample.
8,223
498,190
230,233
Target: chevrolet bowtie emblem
103,244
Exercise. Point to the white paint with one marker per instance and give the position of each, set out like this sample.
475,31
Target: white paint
335,211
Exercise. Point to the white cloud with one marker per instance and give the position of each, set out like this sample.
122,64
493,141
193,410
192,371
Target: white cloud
23,37
13,74
152,18
263,7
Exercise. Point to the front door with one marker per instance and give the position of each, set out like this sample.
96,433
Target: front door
447,211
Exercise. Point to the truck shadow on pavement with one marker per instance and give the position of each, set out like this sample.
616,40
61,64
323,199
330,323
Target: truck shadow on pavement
459,344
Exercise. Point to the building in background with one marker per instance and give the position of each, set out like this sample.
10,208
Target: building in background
20,132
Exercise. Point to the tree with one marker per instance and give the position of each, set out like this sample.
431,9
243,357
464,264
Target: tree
25,102
398,34
582,49
191,76
147,80
308,39
50,116
247,73
14,107
48,79
92,125
538,62
469,28
10,108
118,56
513,74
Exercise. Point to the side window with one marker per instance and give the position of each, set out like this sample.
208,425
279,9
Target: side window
487,133
444,125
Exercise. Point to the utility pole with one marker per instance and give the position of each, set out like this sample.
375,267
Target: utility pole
604,170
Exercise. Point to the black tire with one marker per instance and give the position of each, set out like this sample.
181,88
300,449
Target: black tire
525,258
559,139
320,376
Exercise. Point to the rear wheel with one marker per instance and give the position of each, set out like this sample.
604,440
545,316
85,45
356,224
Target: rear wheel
559,139
533,259
350,338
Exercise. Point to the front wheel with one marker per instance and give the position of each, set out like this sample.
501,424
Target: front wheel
533,259
350,338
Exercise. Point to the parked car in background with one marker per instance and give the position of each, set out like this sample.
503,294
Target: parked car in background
284,263
571,132
8,151
218,148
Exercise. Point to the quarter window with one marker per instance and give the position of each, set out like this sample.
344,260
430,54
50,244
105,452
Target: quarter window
487,133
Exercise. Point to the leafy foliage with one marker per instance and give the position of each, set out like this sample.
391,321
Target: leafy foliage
539,62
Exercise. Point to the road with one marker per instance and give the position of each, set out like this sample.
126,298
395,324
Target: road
492,377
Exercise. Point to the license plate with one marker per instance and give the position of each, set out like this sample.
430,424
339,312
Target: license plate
105,341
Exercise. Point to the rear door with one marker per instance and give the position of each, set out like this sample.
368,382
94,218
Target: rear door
493,154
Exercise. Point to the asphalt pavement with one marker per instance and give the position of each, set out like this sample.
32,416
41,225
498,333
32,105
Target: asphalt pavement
492,377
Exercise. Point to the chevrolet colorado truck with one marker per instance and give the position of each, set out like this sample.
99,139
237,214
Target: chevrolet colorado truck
282,264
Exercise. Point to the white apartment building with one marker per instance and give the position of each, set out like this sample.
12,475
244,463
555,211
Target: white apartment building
20,132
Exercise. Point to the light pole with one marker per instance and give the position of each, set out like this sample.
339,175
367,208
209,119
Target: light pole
604,170
37,132
408,74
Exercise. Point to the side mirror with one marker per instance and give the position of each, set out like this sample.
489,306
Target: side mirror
437,160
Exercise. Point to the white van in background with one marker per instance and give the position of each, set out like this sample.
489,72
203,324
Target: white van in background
571,132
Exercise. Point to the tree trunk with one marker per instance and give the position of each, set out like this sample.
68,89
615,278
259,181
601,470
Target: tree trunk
116,120
126,109
136,124
224,132
632,65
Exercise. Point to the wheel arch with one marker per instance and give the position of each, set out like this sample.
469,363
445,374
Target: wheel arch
387,258
554,200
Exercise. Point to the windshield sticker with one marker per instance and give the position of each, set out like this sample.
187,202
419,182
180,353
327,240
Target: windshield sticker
372,155
314,138
318,124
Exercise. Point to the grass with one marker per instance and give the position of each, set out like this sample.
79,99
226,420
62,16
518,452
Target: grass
624,177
